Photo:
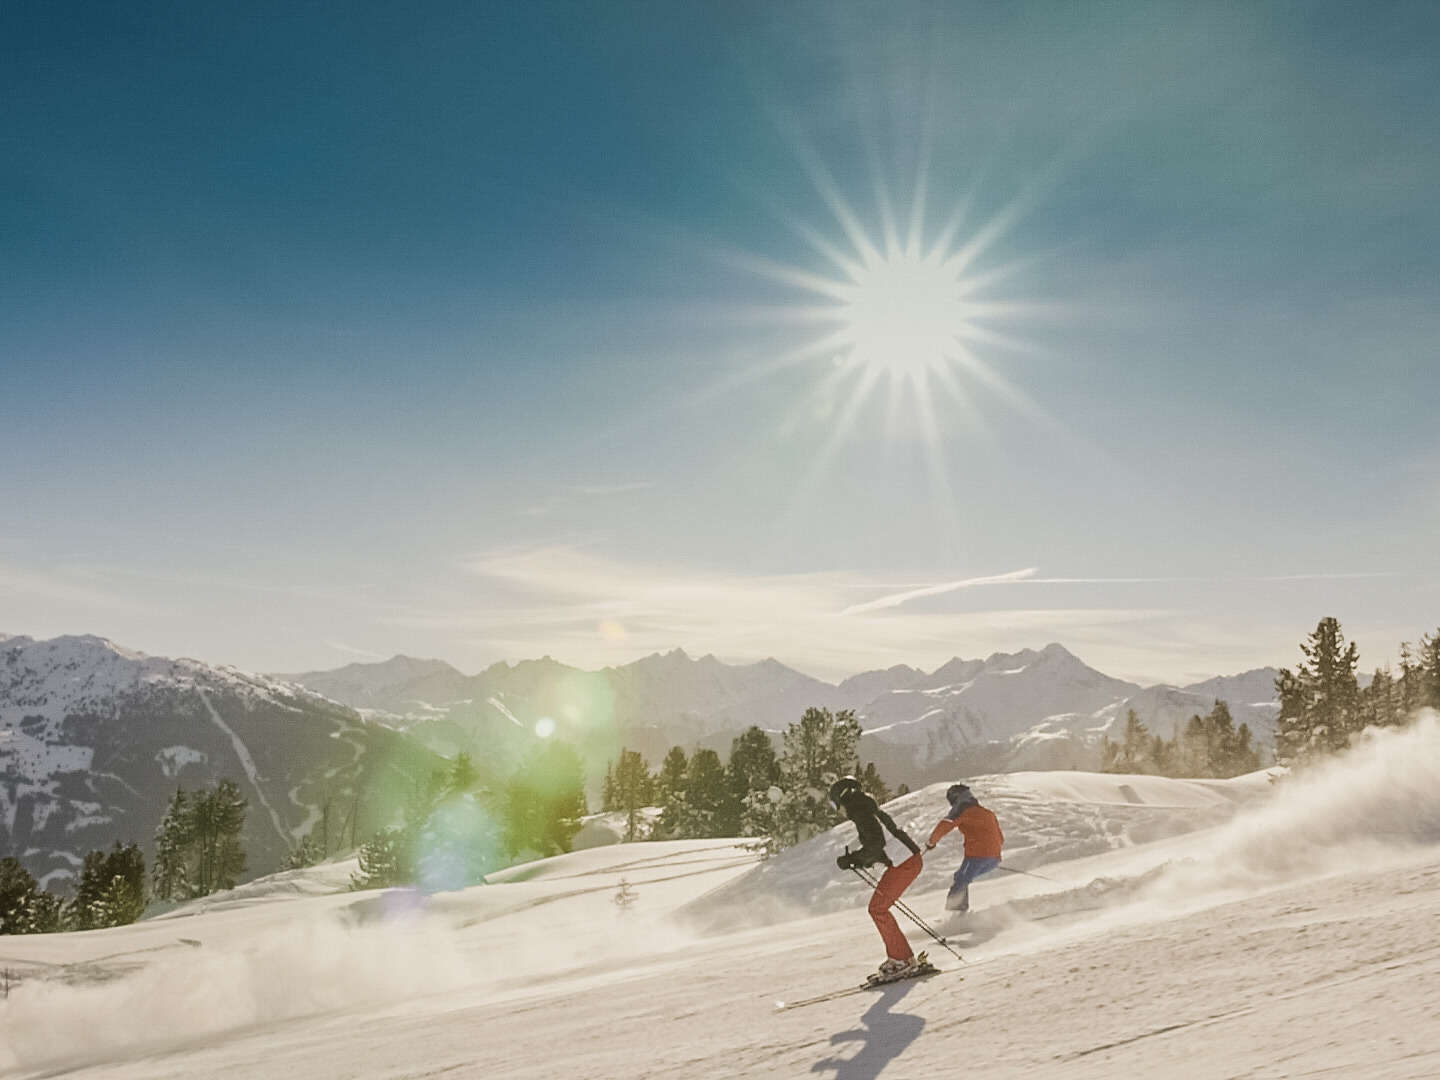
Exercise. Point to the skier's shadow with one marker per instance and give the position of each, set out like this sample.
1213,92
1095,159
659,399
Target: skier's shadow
882,1039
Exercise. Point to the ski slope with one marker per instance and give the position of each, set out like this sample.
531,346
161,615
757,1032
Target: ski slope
1181,928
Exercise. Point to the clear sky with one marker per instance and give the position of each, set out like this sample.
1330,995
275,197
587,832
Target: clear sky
486,331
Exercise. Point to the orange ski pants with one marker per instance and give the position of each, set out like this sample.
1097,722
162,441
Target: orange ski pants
893,882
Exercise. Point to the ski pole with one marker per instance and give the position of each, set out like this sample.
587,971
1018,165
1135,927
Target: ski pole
909,913
905,910
1028,873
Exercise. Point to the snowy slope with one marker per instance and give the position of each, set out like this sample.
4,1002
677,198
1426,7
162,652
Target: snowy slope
1294,938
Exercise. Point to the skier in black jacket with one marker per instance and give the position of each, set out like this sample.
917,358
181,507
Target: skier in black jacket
848,797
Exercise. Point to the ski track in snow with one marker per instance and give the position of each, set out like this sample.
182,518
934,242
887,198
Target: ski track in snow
247,763
1294,939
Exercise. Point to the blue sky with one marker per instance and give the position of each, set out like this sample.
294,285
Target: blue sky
332,331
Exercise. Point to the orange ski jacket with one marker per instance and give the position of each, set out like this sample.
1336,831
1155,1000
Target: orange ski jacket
983,838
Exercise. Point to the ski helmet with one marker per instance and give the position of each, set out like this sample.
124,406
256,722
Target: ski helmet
958,791
842,789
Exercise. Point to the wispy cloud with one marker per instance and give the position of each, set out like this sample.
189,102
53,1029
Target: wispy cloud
596,490
340,646
896,599
1030,577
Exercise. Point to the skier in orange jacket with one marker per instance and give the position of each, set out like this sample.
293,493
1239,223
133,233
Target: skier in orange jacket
983,841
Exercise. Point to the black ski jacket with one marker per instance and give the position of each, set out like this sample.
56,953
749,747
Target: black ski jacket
865,812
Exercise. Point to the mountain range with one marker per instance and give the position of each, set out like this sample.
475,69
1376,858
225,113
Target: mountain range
1033,709
95,738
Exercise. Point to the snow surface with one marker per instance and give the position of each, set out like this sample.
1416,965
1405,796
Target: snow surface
1180,929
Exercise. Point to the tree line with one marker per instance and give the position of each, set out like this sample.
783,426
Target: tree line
197,851
1207,746
779,799
1322,703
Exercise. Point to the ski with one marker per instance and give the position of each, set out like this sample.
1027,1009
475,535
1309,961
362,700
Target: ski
868,984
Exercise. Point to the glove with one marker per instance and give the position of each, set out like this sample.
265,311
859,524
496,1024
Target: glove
846,861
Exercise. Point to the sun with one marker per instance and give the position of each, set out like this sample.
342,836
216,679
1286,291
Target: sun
904,316
901,305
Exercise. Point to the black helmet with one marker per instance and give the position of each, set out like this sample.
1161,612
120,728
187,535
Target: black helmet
843,788
958,791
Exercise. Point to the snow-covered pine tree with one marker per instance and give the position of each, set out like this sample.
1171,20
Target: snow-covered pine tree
305,853
386,859
111,891
24,907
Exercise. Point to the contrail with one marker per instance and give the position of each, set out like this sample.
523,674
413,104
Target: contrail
896,599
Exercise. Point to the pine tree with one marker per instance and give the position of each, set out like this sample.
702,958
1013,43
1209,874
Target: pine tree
670,785
700,808
818,748
305,853
1319,701
217,818
386,859
1380,701
607,791
17,893
634,788
751,771
169,876
25,908
1132,754
111,890
1429,663
753,765
197,843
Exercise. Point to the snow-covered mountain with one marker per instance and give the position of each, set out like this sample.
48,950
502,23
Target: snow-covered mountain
1031,709
981,715
662,700
94,739
397,685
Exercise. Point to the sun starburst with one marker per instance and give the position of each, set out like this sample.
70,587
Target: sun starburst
906,310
